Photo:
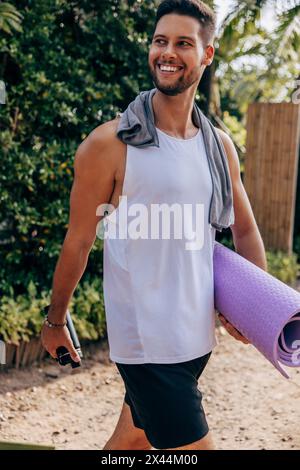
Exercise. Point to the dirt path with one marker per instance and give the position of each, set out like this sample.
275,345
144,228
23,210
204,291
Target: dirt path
248,404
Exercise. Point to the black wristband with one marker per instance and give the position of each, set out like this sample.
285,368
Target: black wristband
49,323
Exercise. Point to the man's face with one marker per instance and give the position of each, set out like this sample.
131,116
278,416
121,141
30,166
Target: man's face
176,42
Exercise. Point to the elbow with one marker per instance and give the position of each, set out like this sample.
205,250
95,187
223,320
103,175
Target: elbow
78,243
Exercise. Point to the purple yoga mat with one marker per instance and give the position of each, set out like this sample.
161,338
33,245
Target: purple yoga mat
265,310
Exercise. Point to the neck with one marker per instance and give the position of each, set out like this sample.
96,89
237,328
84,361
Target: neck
174,113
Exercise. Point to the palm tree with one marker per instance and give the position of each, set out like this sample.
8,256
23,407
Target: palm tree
241,34
288,33
244,20
10,18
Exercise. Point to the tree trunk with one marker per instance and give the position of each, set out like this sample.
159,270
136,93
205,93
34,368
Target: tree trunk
209,90
205,88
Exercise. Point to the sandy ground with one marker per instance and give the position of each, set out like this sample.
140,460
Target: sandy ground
249,405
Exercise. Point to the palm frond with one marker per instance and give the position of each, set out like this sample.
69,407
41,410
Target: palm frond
10,18
288,31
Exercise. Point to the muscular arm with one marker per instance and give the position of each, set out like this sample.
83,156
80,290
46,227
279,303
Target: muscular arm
246,236
95,169
93,184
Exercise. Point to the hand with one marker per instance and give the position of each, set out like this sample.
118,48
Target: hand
53,338
232,331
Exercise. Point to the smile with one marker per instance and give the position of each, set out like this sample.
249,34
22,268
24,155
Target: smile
168,69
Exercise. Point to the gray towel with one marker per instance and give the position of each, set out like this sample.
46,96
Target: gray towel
137,128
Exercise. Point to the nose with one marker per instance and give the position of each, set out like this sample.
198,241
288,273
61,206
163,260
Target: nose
168,52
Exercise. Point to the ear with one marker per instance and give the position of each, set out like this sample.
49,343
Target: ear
209,55
206,61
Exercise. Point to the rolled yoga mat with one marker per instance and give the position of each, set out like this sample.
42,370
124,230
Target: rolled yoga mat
265,310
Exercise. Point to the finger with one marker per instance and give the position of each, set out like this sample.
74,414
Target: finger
74,354
245,340
241,337
237,335
232,330
223,320
53,354
49,350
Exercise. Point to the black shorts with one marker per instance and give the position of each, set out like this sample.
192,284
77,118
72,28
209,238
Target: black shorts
165,401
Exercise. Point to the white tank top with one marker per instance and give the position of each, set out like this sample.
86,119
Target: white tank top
159,296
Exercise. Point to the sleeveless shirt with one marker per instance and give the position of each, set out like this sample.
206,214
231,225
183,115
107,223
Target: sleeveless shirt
157,282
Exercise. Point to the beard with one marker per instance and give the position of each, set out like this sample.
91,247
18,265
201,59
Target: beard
174,87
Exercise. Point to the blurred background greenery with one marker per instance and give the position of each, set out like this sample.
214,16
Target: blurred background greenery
69,66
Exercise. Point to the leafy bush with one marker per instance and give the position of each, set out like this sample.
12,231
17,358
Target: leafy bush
236,127
283,266
21,317
297,247
74,66
280,265
88,313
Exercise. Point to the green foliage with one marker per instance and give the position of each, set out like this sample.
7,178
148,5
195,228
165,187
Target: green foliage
284,267
21,317
297,246
255,64
236,128
280,265
73,67
296,240
88,310
10,18
225,238
238,133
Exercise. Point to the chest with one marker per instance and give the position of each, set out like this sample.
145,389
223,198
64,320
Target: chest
169,173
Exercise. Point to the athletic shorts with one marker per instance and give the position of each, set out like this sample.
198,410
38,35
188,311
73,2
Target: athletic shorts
165,401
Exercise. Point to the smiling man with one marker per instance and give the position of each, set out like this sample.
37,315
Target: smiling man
159,297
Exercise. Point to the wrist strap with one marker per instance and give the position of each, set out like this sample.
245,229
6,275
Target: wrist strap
49,323
54,325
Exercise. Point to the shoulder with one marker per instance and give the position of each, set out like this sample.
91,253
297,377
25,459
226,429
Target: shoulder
225,138
231,153
106,133
101,148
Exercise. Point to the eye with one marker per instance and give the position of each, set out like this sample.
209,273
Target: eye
180,42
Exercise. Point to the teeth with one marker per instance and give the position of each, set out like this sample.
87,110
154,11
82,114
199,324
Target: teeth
168,68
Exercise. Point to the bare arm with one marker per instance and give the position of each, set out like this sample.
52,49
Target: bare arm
94,173
246,236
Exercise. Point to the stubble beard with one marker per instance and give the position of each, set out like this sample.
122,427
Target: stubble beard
178,86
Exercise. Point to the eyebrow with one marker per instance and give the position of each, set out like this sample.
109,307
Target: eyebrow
178,37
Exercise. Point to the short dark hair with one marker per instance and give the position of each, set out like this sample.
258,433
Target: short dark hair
194,8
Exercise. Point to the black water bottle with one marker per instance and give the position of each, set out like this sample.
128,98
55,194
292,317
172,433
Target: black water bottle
63,355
